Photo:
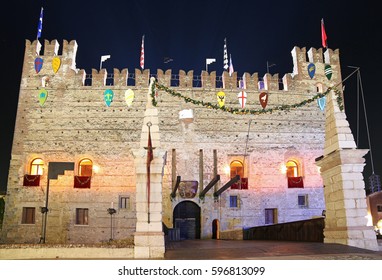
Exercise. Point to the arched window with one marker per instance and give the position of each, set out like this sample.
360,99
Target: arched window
236,168
293,172
85,167
320,88
36,167
292,168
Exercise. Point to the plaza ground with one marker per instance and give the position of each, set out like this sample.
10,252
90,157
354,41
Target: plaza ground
267,250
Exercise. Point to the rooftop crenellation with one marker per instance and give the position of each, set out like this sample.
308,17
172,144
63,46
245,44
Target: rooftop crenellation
138,78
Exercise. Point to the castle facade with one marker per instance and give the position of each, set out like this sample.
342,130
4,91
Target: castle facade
246,162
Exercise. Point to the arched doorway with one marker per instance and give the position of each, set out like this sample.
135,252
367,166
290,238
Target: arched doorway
187,218
215,229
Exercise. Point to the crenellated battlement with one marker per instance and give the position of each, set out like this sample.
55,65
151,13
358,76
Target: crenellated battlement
301,60
69,76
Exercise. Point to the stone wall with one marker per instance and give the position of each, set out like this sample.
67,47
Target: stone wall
75,123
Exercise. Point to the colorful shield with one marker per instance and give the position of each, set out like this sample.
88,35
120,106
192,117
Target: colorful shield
129,97
311,70
221,98
321,103
328,71
242,98
56,63
108,96
263,97
38,64
188,189
42,96
261,85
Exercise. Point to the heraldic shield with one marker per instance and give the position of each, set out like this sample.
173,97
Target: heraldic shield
188,189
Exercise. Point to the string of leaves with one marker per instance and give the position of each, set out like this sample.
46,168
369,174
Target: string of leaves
240,111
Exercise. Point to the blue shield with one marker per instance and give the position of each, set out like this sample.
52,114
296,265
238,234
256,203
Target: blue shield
311,70
321,103
38,64
108,97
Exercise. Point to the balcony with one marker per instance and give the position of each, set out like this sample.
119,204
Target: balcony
82,182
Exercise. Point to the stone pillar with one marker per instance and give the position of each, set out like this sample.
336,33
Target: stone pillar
149,236
341,170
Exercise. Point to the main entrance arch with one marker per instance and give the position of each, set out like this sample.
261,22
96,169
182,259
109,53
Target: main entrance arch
187,218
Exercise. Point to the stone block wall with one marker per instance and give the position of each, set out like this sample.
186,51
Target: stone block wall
75,123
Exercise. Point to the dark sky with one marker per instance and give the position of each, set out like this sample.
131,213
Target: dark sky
189,32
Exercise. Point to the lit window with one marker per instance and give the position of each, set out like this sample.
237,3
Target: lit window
28,216
37,167
85,167
82,216
236,168
292,168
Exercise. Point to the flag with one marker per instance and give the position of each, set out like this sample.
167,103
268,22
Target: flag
142,60
324,38
39,27
210,60
225,57
103,58
230,65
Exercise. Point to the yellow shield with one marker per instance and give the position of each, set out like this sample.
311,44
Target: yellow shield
56,63
129,97
221,98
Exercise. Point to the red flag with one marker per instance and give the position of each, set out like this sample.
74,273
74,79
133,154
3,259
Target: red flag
142,59
324,38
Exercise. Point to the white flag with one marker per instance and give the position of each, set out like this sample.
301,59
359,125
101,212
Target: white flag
104,58
225,57
230,66
210,60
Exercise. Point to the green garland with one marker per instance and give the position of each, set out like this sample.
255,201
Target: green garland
152,90
239,111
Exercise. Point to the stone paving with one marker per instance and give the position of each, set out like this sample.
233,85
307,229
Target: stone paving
266,250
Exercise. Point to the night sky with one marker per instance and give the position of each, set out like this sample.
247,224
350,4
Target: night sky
188,32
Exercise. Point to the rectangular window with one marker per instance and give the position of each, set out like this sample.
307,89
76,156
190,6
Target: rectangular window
302,200
28,215
124,202
82,216
379,208
233,201
270,216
